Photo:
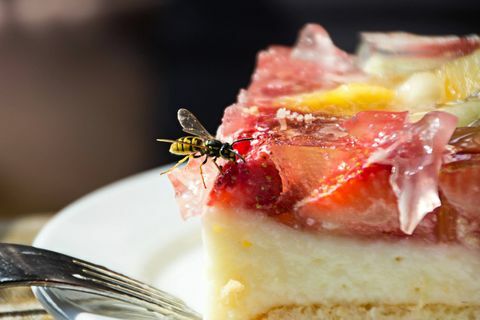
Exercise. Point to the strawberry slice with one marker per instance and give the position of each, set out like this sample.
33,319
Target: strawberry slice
364,205
415,152
255,184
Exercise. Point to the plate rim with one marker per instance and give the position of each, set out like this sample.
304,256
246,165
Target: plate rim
41,293
69,209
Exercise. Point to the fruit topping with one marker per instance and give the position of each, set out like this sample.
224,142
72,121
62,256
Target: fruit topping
416,155
316,167
364,205
467,112
461,77
347,99
254,184
397,54
354,150
314,63
453,81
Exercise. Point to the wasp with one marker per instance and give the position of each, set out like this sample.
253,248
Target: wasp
200,144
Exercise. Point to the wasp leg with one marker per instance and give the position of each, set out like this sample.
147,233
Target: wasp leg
177,164
201,171
239,155
216,164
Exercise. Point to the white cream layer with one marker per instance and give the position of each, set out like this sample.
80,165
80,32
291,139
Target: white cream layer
255,264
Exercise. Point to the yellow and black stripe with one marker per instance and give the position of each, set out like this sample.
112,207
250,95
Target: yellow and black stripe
187,145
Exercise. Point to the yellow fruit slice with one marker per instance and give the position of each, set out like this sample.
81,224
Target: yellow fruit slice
389,67
461,77
467,112
420,91
347,99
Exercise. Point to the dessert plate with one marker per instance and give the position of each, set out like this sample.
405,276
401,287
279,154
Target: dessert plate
132,226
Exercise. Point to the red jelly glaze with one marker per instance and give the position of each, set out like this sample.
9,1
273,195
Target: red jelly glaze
242,147
257,185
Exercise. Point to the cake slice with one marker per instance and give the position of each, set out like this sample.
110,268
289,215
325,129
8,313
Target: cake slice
359,197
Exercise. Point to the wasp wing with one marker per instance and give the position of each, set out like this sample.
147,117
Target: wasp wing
190,124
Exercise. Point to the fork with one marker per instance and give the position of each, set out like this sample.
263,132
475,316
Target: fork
116,294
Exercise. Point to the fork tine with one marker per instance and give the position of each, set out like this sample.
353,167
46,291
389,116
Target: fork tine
120,287
150,304
131,284
141,291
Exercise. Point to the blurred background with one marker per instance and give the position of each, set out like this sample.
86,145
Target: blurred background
86,86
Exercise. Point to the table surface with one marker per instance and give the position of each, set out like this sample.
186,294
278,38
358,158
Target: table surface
19,303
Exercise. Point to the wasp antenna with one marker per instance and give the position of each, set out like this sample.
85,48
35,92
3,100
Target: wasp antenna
241,140
166,140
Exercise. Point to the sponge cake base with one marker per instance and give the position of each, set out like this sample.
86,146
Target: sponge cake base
260,269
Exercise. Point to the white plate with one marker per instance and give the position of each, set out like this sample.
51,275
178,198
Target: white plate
132,226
